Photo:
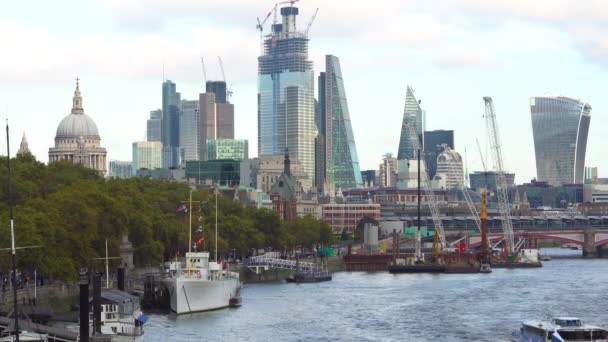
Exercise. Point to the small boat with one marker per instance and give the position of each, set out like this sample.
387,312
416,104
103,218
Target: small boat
544,257
561,329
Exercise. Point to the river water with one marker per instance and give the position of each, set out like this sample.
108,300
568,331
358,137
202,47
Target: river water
361,306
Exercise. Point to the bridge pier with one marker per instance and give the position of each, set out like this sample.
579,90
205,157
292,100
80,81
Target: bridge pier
589,250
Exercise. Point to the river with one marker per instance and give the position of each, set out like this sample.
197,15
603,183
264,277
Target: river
361,306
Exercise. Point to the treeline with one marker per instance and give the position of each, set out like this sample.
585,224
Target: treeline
70,211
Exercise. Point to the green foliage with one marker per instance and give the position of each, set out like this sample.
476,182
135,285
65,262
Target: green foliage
358,238
70,211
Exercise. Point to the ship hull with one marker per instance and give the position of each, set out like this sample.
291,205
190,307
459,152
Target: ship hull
188,295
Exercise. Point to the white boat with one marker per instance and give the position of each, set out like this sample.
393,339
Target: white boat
200,285
561,329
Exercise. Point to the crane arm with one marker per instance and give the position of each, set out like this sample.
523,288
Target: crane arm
312,19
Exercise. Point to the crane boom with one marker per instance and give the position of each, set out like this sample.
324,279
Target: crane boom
204,70
426,184
222,68
501,181
312,19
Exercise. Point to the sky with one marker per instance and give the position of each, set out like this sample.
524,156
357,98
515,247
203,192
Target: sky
452,52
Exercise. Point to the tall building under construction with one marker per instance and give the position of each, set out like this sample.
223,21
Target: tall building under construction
286,103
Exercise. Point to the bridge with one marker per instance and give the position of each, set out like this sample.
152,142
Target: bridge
590,239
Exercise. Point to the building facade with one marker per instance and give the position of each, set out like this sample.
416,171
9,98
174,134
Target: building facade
77,139
153,126
433,141
560,126
486,180
270,169
286,103
450,169
170,125
214,172
216,116
234,149
387,171
121,169
189,131
341,161
412,114
147,155
345,216
369,178
591,176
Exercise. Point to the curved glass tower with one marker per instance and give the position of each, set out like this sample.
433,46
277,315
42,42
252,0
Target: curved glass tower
411,113
560,126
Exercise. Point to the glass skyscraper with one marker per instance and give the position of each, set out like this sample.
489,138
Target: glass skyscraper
189,131
286,103
560,126
433,141
153,125
412,113
341,161
170,125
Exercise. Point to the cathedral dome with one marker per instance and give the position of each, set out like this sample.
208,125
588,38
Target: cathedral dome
77,124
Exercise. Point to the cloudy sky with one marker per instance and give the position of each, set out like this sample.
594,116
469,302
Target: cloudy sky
453,52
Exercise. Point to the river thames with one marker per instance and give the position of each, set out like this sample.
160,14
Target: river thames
361,306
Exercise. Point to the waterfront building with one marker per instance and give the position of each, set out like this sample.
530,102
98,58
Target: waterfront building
486,180
121,169
286,104
170,125
450,171
560,126
345,216
369,178
189,131
595,193
146,155
591,175
387,172
23,147
77,138
543,194
153,126
433,141
271,167
235,149
213,172
412,113
216,116
396,196
340,160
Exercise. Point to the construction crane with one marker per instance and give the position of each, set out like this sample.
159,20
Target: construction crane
228,90
501,181
428,191
260,25
312,19
290,2
204,71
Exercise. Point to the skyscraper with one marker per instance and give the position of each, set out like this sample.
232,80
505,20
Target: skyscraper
120,169
560,126
147,155
432,147
216,116
412,113
286,94
170,125
153,131
341,162
189,131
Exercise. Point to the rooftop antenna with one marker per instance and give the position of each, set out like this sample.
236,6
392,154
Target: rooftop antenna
204,71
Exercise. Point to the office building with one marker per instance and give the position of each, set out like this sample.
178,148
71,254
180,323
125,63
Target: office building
216,116
560,126
233,149
450,170
77,139
387,171
213,172
286,104
369,178
270,168
412,114
433,140
154,124
344,217
121,169
170,125
341,163
189,131
591,175
486,180
147,155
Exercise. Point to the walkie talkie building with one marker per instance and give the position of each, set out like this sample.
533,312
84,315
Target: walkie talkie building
560,126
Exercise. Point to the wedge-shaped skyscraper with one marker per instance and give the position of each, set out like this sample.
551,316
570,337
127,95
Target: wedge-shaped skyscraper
339,152
411,113
560,126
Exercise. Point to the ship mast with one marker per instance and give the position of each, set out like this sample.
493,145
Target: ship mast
13,252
